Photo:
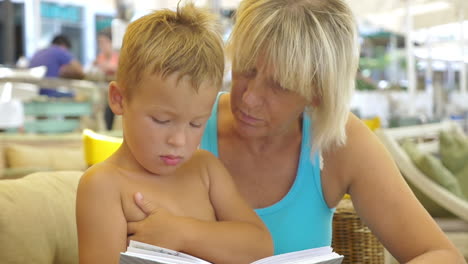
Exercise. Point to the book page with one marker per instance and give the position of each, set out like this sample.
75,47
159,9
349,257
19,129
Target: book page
323,255
136,258
151,250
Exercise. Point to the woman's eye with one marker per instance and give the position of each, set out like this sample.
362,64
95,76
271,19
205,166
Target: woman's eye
277,87
196,125
160,121
250,73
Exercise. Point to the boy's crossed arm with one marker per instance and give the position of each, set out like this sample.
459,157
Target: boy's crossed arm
239,236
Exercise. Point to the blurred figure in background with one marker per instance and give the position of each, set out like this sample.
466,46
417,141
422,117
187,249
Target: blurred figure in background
58,59
106,62
59,62
107,58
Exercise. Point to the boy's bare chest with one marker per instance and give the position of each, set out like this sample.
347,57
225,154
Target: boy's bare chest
182,197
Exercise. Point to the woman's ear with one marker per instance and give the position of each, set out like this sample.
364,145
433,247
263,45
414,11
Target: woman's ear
115,98
316,101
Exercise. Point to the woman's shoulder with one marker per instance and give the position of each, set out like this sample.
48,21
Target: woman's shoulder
343,164
360,140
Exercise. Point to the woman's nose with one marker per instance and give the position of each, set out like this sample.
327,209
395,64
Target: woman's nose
253,93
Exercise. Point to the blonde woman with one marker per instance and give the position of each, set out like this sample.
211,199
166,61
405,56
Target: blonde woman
287,137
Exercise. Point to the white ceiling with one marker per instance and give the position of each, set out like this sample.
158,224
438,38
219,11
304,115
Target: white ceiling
387,14
391,14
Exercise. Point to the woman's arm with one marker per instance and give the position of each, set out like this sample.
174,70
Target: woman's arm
102,228
384,201
238,236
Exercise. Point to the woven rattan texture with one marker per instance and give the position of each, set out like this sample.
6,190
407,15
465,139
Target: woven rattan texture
352,239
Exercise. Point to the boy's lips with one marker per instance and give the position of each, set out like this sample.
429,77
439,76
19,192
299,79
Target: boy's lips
171,160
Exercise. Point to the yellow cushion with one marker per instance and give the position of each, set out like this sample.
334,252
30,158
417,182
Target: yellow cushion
47,158
373,123
37,219
98,147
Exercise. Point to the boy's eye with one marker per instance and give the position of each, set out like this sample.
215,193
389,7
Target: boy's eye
196,125
160,121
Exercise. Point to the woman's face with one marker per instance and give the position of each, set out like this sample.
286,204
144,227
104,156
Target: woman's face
104,43
261,107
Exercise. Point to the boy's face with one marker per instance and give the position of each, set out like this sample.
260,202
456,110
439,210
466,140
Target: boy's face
164,120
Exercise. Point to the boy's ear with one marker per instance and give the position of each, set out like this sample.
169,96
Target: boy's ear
115,98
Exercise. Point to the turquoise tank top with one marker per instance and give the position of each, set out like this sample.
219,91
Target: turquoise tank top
301,219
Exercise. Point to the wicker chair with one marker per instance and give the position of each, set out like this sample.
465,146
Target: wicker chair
353,239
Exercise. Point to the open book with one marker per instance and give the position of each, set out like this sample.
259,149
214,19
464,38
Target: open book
141,253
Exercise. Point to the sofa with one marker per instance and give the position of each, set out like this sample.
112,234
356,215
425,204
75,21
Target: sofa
22,154
37,221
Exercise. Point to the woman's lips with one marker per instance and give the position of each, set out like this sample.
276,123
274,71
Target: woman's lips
248,119
171,160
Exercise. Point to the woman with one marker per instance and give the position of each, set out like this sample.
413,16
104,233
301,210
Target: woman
108,59
286,135
106,62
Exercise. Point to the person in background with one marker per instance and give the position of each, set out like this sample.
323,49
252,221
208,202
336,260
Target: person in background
107,59
106,62
58,60
286,135
170,71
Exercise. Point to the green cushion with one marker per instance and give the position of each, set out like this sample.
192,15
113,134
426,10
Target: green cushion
433,168
432,207
462,177
453,150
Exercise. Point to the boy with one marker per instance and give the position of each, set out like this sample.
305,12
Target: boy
170,70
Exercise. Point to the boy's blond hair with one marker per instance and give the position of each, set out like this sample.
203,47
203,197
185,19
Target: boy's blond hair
314,49
186,41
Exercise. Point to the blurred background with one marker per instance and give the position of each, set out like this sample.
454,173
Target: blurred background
412,66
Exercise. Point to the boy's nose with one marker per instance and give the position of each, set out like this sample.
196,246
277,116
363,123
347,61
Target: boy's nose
177,137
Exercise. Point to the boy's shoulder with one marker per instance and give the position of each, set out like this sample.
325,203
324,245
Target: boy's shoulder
202,161
208,161
204,157
100,174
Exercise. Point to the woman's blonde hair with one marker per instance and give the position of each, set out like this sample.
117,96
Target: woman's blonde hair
314,49
186,41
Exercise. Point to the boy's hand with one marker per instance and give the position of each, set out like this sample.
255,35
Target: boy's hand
160,227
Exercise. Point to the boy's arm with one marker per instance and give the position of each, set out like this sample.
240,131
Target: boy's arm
102,228
239,236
